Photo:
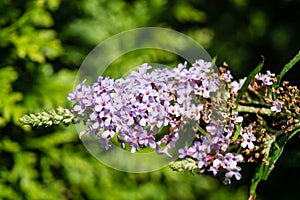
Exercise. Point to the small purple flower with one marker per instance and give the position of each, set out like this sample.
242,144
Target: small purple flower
102,102
233,171
229,129
248,138
174,110
232,160
277,106
108,133
183,94
195,111
238,119
203,66
258,76
214,169
219,161
265,78
227,76
206,88
214,128
144,120
180,72
79,109
235,86
202,161
183,152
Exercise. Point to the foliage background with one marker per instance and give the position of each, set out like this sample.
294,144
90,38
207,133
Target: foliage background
42,44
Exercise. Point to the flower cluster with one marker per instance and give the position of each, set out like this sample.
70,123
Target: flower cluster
136,107
211,148
234,121
147,109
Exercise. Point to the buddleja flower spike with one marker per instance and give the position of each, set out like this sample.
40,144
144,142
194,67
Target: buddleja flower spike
250,120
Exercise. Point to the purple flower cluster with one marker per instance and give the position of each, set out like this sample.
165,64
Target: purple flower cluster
211,149
136,107
266,79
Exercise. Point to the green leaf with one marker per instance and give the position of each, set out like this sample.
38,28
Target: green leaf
214,60
286,68
202,131
237,132
263,171
248,80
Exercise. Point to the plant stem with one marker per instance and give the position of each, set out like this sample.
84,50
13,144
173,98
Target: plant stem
249,109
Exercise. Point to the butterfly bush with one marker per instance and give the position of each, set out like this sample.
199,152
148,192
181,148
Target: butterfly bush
143,101
240,121
136,108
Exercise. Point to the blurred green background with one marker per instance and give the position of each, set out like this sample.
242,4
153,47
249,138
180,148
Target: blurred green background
42,44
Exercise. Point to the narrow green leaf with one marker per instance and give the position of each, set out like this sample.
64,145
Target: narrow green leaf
276,145
214,60
275,153
237,132
244,88
202,131
286,68
263,171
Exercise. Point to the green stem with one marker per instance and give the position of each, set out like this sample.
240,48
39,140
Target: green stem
253,190
250,101
249,109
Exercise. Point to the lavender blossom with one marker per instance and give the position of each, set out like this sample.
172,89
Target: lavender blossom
140,102
248,138
276,106
227,76
133,107
266,79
